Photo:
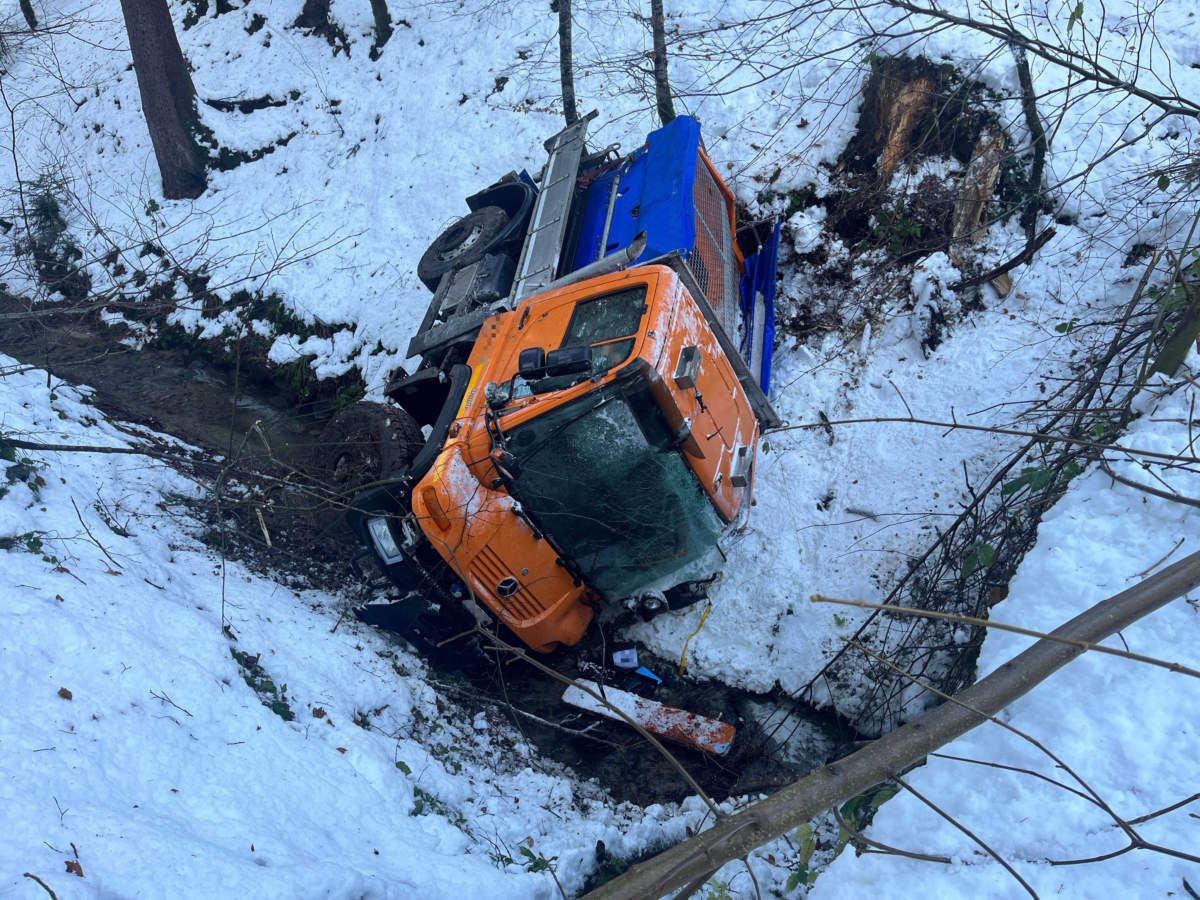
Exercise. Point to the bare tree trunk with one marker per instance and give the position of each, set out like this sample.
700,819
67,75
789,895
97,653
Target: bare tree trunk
566,65
27,12
662,87
314,15
383,25
1037,137
168,97
315,18
735,836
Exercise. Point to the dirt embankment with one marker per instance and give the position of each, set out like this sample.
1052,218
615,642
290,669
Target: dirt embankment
223,409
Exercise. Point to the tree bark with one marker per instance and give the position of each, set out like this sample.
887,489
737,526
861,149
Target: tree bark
662,86
1037,138
978,187
27,12
735,836
168,97
383,24
566,65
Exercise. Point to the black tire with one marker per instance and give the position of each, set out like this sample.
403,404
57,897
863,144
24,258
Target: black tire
466,241
366,442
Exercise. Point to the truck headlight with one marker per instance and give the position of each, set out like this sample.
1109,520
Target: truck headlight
385,544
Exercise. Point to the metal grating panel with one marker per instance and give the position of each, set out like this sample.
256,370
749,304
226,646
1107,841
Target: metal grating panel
712,259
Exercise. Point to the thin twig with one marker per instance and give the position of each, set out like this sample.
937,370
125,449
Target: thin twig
991,429
1150,568
1145,488
1015,629
45,886
1166,809
92,536
165,699
857,837
965,830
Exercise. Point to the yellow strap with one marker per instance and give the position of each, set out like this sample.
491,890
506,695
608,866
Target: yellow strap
683,655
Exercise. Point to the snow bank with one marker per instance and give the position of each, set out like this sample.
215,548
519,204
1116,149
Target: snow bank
1129,730
130,732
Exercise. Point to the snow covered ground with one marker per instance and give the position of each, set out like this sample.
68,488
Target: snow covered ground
383,152
335,220
1125,728
132,744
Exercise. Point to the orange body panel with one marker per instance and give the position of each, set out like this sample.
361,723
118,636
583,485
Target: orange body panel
468,515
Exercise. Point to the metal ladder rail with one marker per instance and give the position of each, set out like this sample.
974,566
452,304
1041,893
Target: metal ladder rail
548,225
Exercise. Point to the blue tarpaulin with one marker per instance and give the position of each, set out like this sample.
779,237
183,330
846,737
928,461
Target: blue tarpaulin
654,195
758,307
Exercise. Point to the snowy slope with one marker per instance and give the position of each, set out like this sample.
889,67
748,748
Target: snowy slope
130,733
335,220
381,153
1129,730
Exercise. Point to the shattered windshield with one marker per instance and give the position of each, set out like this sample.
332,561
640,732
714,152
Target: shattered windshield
601,477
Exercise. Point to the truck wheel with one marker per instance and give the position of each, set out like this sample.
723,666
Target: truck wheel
466,241
366,442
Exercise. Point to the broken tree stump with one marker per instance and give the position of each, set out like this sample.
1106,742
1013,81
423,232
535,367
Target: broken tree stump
978,186
902,110
896,97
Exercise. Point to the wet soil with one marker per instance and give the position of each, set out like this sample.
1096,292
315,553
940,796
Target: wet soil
217,407
171,390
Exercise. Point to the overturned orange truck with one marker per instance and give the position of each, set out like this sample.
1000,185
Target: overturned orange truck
581,429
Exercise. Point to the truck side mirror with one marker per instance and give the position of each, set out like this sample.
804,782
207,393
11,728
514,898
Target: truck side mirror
531,364
569,361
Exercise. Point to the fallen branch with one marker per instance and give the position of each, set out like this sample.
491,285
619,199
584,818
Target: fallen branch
736,835
45,886
1024,256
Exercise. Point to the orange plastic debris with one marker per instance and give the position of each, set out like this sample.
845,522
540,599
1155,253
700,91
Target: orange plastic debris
677,725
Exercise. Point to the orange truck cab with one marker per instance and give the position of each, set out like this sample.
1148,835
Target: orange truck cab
586,381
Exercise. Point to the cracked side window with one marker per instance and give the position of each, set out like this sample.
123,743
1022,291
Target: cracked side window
608,324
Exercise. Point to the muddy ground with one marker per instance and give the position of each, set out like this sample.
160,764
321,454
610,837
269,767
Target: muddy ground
238,414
